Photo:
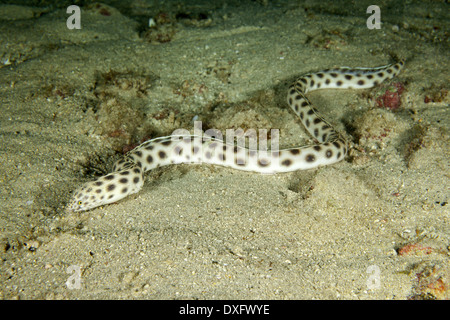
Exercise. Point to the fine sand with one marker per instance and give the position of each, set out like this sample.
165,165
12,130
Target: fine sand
374,226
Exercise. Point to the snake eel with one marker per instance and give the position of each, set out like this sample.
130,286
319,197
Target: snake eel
127,176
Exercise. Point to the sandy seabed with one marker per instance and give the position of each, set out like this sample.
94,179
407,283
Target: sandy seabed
375,226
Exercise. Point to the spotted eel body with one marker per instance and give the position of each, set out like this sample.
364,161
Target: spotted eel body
128,173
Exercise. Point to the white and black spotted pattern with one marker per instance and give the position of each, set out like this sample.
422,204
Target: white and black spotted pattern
127,176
